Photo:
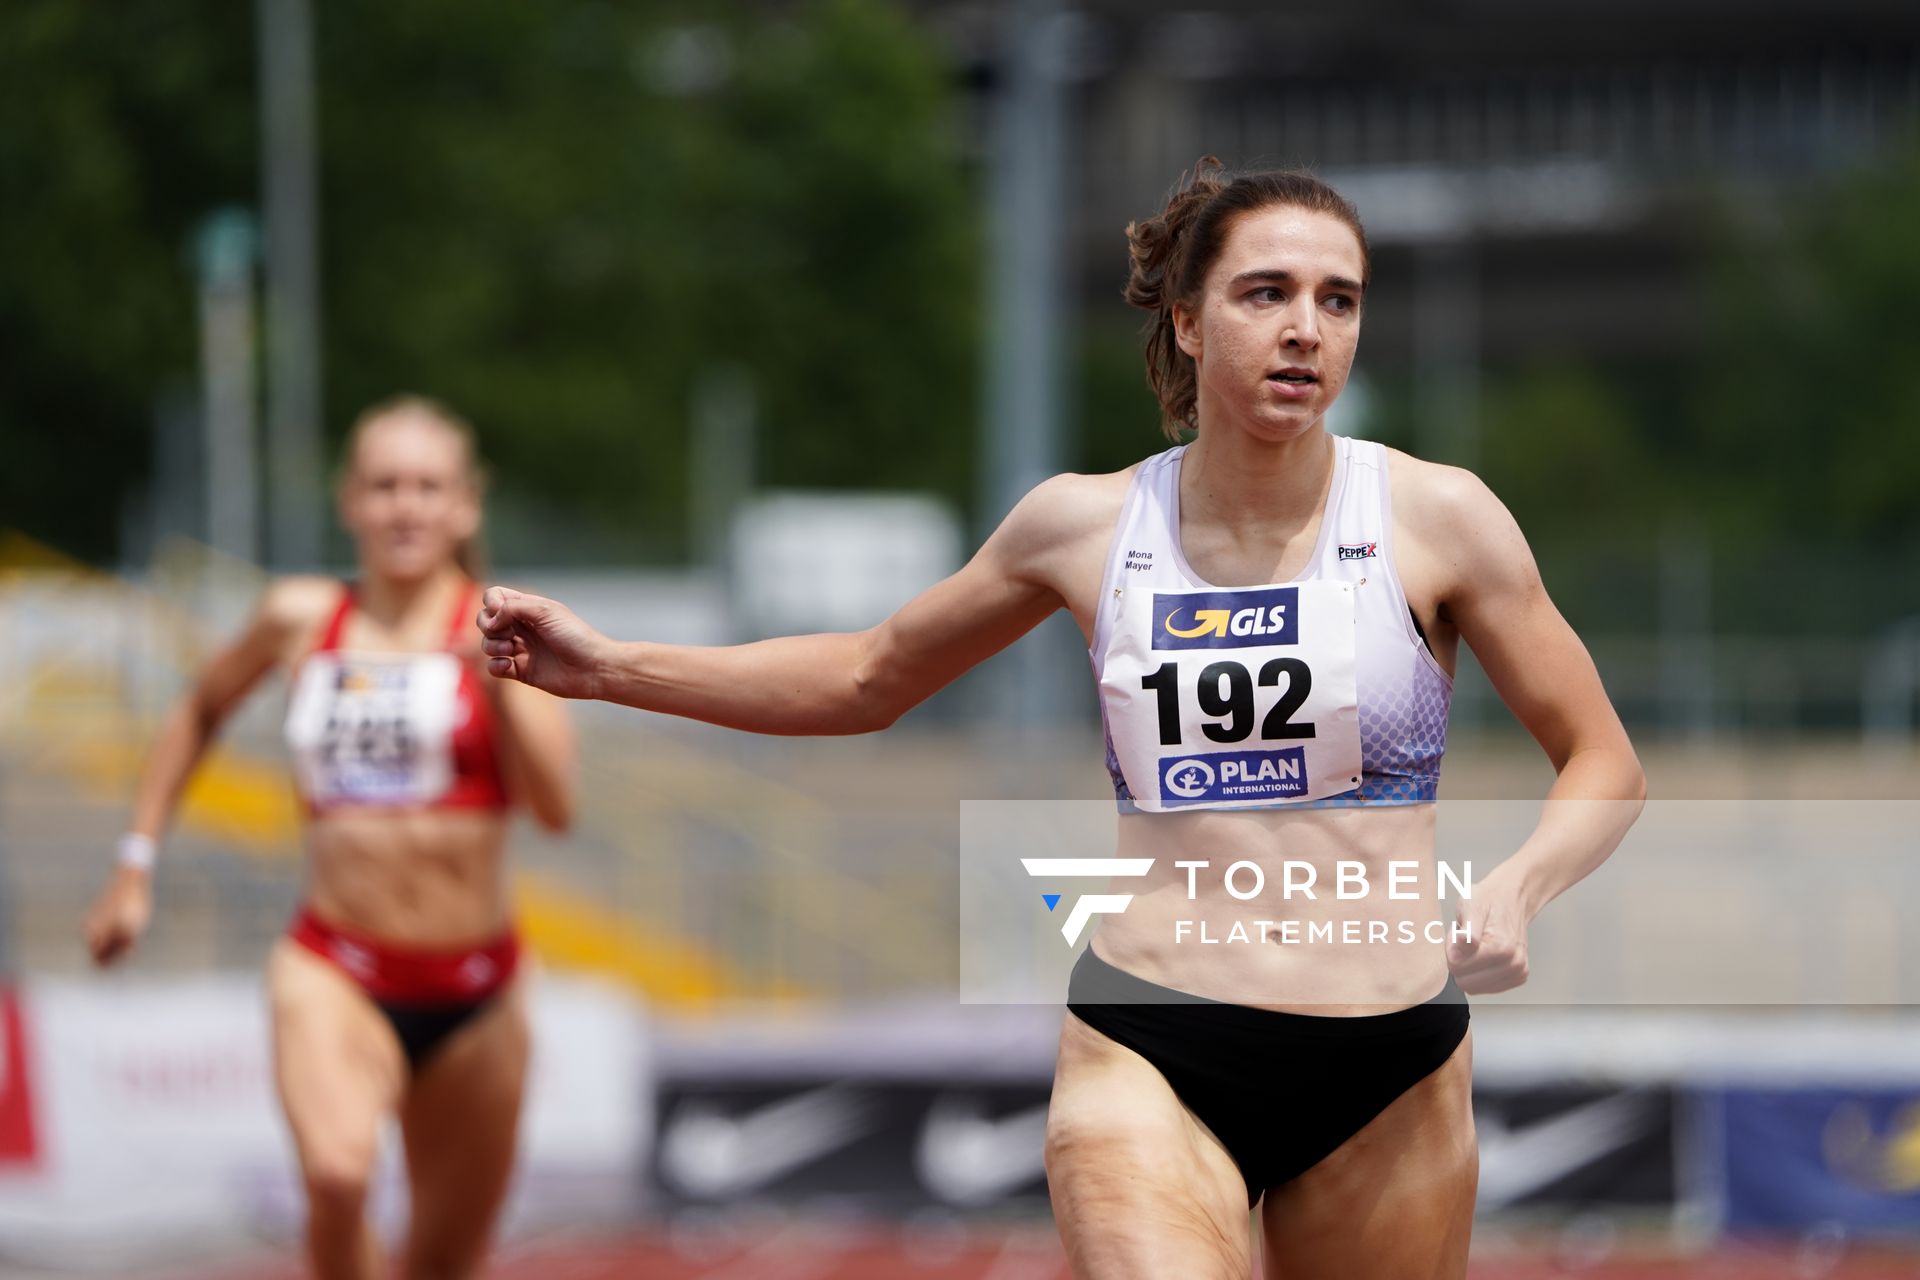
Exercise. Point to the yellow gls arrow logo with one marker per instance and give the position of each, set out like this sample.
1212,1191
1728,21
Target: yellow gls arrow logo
1210,620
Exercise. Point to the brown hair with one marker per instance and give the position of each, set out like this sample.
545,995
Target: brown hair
1172,252
471,554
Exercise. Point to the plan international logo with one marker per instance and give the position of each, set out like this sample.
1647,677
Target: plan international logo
1234,775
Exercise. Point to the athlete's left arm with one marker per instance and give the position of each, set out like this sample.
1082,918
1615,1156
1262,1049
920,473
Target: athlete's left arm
537,751
1494,596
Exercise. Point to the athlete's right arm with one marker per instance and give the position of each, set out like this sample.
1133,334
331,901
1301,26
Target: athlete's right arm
287,608
837,683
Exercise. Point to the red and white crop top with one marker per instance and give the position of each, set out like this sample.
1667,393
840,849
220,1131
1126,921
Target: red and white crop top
396,729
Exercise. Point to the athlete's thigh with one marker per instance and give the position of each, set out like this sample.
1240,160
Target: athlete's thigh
337,1065
1140,1188
1395,1201
460,1119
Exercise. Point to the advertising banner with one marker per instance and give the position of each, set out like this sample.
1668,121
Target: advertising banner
139,1118
1793,1159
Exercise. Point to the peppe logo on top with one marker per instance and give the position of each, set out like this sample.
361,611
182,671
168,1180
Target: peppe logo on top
1233,775
1226,619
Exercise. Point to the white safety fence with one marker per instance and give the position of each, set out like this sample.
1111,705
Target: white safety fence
138,1122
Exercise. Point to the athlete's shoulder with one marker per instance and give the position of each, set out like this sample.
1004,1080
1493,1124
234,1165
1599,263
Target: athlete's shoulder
1453,512
1059,531
1068,506
1436,497
294,605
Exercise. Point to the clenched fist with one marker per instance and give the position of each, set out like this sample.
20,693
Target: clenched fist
1494,956
120,915
540,642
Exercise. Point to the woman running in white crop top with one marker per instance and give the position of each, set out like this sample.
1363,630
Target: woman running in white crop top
1274,615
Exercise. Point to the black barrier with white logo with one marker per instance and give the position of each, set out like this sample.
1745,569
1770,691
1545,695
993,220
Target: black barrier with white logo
1576,1147
892,1145
884,1145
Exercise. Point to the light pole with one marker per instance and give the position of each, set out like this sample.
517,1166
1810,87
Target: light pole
290,202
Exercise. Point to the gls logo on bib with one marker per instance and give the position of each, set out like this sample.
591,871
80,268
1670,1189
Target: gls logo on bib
1226,619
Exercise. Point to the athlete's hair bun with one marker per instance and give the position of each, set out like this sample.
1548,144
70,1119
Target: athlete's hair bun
1170,254
1154,244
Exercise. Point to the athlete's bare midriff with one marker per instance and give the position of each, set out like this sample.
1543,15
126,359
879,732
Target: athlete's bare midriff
1308,950
414,877
1312,954
430,877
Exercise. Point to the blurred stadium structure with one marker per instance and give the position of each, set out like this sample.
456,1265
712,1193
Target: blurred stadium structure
775,920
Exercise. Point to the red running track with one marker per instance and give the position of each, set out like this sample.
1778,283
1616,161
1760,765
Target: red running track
816,1253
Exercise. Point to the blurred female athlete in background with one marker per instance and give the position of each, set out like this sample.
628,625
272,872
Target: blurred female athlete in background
1273,614
400,986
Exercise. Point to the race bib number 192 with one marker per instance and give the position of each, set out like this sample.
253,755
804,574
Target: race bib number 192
1243,697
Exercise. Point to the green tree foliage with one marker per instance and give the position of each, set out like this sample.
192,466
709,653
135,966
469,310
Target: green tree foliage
1809,399
1562,446
557,217
1116,417
120,127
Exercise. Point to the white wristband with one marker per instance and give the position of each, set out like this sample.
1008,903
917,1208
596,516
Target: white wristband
135,850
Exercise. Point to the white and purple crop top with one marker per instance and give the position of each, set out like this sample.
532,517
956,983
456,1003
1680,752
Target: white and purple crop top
1318,692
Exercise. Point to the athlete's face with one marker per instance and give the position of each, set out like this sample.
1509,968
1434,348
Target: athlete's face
1274,330
408,499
